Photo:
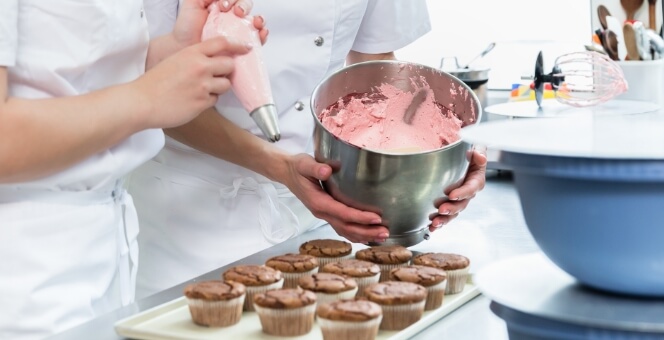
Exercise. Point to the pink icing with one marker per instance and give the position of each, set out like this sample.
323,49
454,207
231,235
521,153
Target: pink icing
250,80
375,121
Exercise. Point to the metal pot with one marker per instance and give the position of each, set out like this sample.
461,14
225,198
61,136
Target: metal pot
477,80
402,188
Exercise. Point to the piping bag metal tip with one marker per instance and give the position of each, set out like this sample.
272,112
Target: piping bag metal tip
266,118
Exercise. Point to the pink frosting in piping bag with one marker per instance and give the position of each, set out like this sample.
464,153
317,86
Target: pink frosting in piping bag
249,80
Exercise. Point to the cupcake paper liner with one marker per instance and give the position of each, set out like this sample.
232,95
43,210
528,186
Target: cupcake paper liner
216,313
456,280
364,282
325,260
385,270
398,317
290,279
435,295
253,290
349,330
322,298
286,322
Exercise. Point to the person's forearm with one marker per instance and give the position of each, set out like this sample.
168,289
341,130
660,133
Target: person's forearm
161,48
39,137
217,136
354,57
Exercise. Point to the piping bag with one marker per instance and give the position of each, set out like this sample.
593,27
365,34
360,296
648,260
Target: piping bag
249,80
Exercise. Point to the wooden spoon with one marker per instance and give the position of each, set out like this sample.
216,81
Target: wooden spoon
611,44
602,12
630,7
652,21
629,35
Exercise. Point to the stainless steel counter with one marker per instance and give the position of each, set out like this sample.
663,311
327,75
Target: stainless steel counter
491,228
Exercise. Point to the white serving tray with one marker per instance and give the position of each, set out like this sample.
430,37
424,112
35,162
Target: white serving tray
172,321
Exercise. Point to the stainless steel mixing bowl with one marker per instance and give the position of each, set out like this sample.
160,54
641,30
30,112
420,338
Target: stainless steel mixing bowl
402,188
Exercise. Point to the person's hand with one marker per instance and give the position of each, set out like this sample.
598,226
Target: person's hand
193,14
177,89
459,197
303,177
242,8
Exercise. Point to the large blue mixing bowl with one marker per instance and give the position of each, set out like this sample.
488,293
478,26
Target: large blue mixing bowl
600,220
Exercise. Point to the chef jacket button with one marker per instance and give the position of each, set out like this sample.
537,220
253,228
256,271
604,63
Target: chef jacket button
319,41
141,13
299,106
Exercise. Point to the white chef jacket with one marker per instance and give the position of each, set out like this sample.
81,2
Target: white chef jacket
211,212
68,244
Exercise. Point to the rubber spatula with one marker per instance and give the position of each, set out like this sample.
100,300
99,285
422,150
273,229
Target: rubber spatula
418,98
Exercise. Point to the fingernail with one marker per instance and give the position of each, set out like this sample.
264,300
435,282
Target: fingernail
383,235
446,212
261,19
241,6
379,240
376,221
225,4
249,45
439,225
453,198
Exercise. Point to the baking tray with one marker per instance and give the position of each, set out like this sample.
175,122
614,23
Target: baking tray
172,321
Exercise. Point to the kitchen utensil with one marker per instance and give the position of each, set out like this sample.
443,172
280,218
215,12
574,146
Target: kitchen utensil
477,79
652,18
580,79
539,301
616,26
250,80
595,48
585,193
554,108
402,188
646,83
630,7
589,167
481,55
656,41
600,35
602,13
418,98
611,44
631,42
642,40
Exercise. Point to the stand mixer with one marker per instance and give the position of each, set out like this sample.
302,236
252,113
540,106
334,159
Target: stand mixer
580,79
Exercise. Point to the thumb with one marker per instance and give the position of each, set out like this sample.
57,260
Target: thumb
310,168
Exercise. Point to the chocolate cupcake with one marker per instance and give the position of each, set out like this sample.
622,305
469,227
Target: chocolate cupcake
293,266
363,272
349,319
402,303
327,250
257,279
286,312
386,257
433,279
215,303
329,287
455,266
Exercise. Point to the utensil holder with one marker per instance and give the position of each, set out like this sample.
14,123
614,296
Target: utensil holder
645,80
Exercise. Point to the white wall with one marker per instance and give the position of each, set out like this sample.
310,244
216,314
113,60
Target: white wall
520,28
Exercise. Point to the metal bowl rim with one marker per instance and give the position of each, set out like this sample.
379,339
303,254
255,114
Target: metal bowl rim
399,62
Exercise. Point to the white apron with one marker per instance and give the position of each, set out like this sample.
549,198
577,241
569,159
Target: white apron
197,212
66,258
68,248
